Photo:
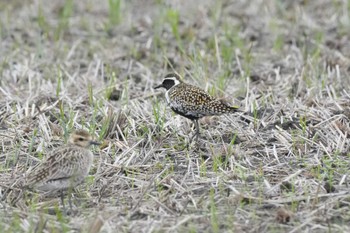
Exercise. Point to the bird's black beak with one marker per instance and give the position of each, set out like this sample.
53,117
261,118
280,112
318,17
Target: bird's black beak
95,143
159,86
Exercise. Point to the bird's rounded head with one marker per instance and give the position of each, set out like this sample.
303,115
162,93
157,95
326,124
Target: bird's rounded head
170,80
82,138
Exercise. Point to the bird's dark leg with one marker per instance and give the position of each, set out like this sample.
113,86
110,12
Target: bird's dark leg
197,130
196,133
62,200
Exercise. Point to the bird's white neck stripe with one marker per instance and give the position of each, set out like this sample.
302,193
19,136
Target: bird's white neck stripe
177,82
167,96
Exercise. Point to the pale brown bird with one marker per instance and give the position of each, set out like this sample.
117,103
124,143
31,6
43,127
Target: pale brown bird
192,102
64,167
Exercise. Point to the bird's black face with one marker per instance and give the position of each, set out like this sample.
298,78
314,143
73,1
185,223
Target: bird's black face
167,84
169,81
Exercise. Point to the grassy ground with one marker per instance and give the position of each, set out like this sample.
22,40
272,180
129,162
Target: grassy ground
281,166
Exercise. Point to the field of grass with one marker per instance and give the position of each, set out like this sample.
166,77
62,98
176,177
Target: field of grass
281,165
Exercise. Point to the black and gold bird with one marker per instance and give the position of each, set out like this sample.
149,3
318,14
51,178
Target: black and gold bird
192,102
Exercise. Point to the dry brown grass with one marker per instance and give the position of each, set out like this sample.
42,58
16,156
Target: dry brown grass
281,166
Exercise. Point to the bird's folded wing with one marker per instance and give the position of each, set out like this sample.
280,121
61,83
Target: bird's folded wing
55,167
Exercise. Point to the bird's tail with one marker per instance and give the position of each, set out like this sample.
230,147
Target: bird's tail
230,108
234,109
12,193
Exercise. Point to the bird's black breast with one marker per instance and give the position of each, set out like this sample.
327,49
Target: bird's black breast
184,114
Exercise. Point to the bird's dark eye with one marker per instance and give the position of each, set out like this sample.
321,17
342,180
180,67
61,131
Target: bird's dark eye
81,139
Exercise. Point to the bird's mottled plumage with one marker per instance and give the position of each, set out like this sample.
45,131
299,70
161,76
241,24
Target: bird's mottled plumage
64,167
190,101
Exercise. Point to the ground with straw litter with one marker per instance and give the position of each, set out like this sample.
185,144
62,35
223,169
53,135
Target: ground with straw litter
281,165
